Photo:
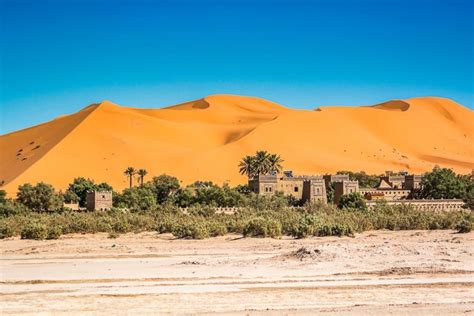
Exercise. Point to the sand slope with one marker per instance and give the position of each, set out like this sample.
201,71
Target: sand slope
205,139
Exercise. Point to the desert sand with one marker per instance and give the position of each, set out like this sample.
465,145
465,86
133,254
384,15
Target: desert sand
205,140
380,272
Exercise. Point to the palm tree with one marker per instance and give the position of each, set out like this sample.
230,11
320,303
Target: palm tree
129,172
261,162
142,173
275,164
247,166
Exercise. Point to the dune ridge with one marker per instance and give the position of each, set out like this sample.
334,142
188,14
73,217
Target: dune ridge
205,139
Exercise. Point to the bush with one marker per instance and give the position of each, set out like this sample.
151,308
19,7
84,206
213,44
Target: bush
464,226
39,197
205,210
216,228
5,231
267,219
54,232
191,229
352,201
36,231
121,226
304,228
11,208
262,227
113,235
138,198
333,230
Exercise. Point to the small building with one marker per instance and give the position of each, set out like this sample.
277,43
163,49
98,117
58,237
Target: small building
263,184
330,178
413,182
304,188
396,182
345,187
99,200
314,190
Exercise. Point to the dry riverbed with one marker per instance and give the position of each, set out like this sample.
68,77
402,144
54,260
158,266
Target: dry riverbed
379,272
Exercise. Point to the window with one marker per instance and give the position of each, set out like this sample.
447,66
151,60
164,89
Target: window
296,189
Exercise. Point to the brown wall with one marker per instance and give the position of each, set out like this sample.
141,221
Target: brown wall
99,200
344,187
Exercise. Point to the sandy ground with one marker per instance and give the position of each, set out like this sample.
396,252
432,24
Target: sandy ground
411,272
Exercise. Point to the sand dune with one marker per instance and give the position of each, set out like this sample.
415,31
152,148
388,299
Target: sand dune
205,139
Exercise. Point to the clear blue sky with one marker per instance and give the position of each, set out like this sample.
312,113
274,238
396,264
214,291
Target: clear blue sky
59,56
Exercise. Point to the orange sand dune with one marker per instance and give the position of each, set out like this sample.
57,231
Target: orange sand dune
205,139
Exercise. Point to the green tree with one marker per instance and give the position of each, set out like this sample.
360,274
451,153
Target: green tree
352,201
138,198
164,186
247,166
274,164
80,186
469,194
260,164
70,197
130,172
40,197
142,173
3,196
443,183
184,197
243,189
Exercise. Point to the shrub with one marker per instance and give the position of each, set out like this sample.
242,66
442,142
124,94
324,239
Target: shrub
11,208
333,230
36,231
54,232
205,210
121,226
262,227
113,235
216,228
191,229
465,226
304,228
352,201
6,231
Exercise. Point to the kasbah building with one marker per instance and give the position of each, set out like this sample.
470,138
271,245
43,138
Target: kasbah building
393,189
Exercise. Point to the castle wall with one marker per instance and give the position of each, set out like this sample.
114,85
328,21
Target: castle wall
426,205
389,194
